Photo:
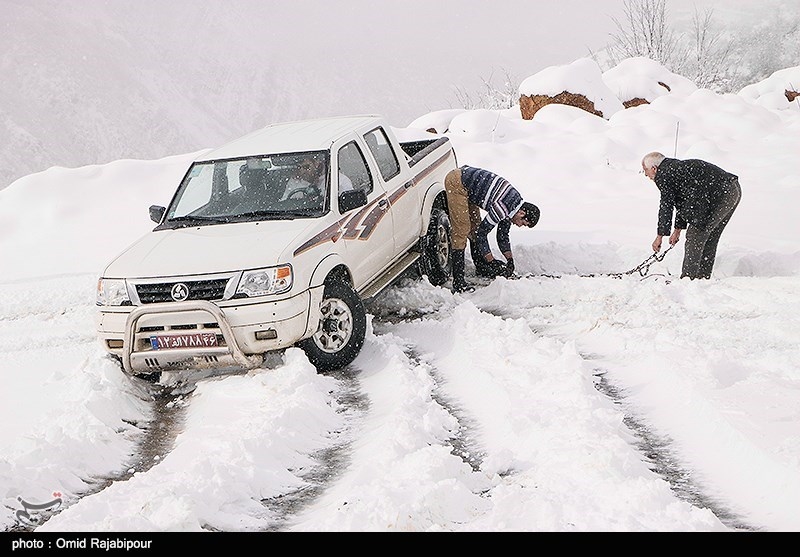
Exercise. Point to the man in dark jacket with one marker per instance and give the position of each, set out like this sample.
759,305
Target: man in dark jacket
470,189
703,197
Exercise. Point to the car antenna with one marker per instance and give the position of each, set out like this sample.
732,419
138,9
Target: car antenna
495,124
677,127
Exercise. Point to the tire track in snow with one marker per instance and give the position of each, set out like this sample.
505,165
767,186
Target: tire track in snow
172,403
332,460
658,453
169,409
463,440
656,450
335,460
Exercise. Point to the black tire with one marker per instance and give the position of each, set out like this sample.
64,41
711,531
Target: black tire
341,331
436,260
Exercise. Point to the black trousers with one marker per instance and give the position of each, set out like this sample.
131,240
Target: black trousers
701,245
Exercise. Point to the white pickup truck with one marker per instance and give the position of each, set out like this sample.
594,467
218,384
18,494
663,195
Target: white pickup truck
275,240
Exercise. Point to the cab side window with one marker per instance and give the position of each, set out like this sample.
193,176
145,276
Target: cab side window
354,168
382,150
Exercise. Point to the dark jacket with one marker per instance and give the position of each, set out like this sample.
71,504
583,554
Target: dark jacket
693,188
498,198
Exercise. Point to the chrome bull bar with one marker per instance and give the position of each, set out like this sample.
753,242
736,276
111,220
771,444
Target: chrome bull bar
137,361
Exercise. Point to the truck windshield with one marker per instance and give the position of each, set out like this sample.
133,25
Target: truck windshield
268,187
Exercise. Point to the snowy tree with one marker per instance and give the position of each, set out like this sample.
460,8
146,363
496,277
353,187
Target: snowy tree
769,46
646,32
710,54
712,59
491,97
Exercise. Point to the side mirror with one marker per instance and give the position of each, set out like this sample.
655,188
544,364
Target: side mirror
352,199
157,213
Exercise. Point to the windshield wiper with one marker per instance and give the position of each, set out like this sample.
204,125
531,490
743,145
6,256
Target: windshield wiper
196,218
267,214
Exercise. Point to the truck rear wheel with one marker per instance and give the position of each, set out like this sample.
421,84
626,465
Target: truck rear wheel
342,327
436,261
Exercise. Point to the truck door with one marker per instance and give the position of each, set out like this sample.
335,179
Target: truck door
403,196
368,232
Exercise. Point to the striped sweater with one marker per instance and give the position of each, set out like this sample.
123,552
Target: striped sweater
495,195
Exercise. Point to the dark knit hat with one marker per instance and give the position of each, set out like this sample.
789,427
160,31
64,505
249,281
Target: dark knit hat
531,213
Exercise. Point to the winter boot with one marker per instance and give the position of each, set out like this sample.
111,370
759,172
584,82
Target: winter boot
459,283
482,268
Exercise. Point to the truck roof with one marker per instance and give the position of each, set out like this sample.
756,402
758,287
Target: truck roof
289,137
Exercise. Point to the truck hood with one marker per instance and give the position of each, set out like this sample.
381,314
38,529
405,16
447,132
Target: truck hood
208,249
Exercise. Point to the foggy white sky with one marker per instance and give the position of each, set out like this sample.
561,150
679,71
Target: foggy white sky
443,44
449,46
92,81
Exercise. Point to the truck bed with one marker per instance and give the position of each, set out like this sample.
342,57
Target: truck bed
418,150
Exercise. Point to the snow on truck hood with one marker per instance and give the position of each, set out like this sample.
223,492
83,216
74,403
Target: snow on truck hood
208,249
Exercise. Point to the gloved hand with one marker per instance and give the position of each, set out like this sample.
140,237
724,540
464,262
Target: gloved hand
509,269
496,268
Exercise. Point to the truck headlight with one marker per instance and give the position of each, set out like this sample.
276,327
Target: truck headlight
112,292
261,282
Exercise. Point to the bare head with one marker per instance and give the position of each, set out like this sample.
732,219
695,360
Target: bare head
650,163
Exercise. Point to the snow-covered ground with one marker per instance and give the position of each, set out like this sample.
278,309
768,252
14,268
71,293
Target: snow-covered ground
570,400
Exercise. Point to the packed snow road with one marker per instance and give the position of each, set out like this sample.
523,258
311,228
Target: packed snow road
529,405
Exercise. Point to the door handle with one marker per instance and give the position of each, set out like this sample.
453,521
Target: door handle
383,204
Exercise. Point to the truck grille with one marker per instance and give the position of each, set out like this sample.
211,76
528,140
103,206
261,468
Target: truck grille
211,290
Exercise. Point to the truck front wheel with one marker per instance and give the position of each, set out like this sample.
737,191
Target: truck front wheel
342,327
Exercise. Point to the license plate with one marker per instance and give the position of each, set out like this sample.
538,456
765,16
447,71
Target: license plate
190,340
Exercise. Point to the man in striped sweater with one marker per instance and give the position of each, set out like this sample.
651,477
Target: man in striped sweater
470,189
